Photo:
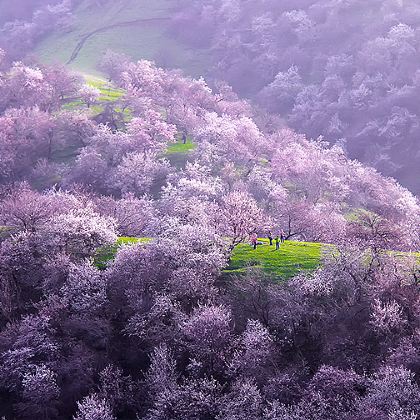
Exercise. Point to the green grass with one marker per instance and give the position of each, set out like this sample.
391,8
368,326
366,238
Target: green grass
292,258
106,254
178,153
73,105
109,93
144,40
180,147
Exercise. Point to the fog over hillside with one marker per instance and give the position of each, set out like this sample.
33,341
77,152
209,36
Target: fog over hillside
346,71
208,209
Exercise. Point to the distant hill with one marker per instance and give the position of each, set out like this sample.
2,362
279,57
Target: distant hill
138,28
19,9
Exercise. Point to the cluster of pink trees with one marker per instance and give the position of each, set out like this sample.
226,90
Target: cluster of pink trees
306,188
346,71
309,190
160,331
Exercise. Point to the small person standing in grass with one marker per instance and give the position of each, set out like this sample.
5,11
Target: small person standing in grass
184,137
282,236
277,243
254,240
270,238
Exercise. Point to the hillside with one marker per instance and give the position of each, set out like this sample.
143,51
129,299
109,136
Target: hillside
138,28
292,258
186,176
344,70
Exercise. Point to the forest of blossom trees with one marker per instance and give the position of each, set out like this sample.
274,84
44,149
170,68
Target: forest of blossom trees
161,332
343,70
347,70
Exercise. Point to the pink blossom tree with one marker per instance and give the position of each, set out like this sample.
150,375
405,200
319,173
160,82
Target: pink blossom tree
138,172
79,232
234,138
206,335
89,95
27,210
133,215
150,133
240,217
93,407
255,351
40,393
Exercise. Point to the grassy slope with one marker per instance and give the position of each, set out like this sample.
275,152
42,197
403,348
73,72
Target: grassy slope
178,153
285,263
109,93
292,257
142,40
180,147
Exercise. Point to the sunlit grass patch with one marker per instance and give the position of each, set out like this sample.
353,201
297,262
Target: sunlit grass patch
292,258
109,93
180,147
178,153
106,254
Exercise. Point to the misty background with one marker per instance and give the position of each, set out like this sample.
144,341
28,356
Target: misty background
344,70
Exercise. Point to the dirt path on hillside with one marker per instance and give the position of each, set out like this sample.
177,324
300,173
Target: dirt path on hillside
86,37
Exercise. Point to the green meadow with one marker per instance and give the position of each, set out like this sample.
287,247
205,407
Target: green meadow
292,258
138,28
